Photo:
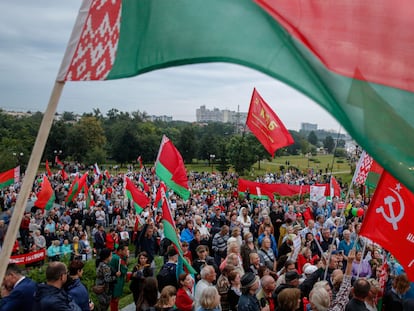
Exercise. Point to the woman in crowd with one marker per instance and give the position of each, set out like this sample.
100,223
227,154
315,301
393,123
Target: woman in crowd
210,300
361,267
148,295
167,299
185,296
76,249
319,299
234,293
140,271
393,300
187,235
244,219
86,250
267,257
75,288
104,277
372,298
223,286
246,249
53,251
289,299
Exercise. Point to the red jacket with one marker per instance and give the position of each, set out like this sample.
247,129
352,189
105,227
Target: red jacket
183,301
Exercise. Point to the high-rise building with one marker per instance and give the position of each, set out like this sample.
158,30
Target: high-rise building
216,115
308,127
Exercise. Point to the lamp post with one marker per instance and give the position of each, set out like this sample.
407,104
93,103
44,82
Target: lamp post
212,157
19,157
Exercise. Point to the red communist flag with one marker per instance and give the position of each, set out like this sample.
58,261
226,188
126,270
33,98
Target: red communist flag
266,125
389,221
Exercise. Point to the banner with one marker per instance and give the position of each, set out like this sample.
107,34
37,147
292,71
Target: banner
284,190
24,259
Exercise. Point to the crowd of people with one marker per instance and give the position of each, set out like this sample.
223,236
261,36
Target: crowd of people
248,253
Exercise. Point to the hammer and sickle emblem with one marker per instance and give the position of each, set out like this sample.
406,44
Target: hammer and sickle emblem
392,219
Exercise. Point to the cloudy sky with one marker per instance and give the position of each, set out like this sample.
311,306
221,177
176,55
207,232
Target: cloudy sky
33,38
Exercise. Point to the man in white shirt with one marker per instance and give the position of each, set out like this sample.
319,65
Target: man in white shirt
208,276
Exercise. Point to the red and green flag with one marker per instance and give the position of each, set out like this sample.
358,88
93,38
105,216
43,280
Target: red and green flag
353,58
59,163
139,160
10,177
169,167
48,171
170,231
158,196
76,187
64,174
136,196
46,195
143,184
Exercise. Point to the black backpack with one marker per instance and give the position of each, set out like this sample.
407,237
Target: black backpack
167,276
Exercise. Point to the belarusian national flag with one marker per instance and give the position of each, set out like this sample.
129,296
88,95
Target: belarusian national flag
158,197
139,199
170,231
76,187
362,169
143,184
59,163
374,175
64,174
266,125
139,159
170,168
46,195
10,177
353,58
48,171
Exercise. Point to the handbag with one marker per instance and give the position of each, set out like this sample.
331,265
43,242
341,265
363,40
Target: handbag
98,289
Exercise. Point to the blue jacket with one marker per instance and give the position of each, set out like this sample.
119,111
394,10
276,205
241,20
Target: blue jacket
50,298
20,298
248,303
79,294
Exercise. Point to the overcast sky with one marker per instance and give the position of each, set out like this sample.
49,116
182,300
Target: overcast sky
33,38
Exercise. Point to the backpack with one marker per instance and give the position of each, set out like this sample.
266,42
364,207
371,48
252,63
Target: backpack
167,276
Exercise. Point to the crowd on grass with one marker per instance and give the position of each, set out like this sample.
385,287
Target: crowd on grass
248,254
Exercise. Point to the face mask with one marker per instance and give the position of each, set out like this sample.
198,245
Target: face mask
249,239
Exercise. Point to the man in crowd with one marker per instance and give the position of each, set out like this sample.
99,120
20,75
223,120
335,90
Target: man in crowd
17,291
51,296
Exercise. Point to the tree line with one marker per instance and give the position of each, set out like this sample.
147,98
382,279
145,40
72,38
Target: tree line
120,137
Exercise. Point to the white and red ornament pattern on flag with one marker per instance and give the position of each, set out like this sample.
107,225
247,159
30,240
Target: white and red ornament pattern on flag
362,169
95,52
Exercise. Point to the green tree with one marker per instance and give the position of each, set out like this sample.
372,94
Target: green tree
240,154
187,144
329,144
312,138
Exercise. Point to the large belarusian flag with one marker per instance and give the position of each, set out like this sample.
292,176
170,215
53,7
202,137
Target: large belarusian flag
170,168
354,58
46,195
9,177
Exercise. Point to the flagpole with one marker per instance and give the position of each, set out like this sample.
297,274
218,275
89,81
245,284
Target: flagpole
30,175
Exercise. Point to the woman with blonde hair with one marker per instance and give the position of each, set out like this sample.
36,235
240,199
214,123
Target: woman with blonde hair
210,300
166,301
319,299
371,299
